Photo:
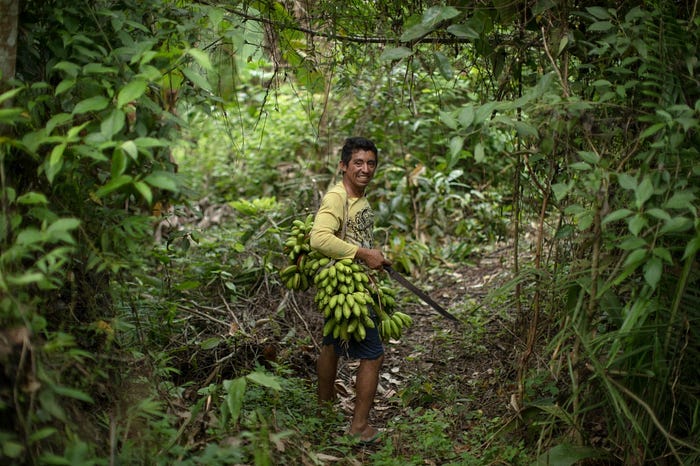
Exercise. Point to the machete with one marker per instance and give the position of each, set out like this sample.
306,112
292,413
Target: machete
418,292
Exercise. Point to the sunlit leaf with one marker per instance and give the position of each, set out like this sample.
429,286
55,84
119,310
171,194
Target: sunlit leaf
144,190
162,180
131,92
202,58
91,104
32,198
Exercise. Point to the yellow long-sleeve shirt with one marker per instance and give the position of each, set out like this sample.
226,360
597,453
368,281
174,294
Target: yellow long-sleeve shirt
328,225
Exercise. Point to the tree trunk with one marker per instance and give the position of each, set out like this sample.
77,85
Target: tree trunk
9,10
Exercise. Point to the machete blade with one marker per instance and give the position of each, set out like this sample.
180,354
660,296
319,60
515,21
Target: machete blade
418,292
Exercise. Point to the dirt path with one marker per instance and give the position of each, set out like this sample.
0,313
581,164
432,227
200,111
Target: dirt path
435,355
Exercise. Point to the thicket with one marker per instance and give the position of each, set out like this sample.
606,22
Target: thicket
573,123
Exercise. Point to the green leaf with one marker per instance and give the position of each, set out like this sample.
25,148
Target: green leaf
627,182
63,224
64,86
25,278
601,26
264,379
479,154
91,104
42,434
202,58
57,120
590,157
113,185
144,190
395,53
652,130
113,124
32,197
130,148
598,12
561,190
632,242
9,95
676,225
437,14
636,224
444,65
11,448
196,78
653,269
680,200
131,92
119,163
525,129
463,30
235,393
162,180
71,69
582,166
643,191
72,393
663,254
210,343
456,144
658,213
691,248
567,455
466,116
635,257
617,215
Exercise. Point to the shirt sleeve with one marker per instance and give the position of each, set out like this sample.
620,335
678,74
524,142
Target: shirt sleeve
327,224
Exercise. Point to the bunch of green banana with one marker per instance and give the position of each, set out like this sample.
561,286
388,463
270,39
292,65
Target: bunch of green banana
343,298
392,322
298,249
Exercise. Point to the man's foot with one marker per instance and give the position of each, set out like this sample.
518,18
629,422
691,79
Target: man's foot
369,436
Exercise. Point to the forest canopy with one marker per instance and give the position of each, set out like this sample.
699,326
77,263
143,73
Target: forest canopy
154,155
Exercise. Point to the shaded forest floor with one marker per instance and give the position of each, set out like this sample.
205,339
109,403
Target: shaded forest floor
445,388
465,372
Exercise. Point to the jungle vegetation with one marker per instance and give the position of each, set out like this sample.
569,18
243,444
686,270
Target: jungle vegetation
153,155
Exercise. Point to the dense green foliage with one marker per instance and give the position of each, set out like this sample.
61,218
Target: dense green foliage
569,126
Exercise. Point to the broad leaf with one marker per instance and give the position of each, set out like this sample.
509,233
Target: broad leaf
131,92
395,53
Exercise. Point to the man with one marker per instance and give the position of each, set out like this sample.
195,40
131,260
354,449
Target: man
343,228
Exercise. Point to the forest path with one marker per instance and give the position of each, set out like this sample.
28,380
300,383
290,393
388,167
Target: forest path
438,364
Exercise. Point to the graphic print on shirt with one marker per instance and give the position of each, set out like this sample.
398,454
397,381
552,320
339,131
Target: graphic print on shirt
360,228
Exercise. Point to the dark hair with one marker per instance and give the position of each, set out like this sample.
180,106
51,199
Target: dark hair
354,144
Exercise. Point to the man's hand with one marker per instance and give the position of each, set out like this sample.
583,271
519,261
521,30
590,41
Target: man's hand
373,258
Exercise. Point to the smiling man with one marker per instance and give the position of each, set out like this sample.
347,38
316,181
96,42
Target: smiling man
343,228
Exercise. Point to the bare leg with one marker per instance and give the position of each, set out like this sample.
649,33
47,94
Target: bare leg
327,368
365,389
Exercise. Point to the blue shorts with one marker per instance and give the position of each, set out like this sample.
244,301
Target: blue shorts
369,348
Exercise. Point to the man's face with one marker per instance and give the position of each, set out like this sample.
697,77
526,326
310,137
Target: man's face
360,171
